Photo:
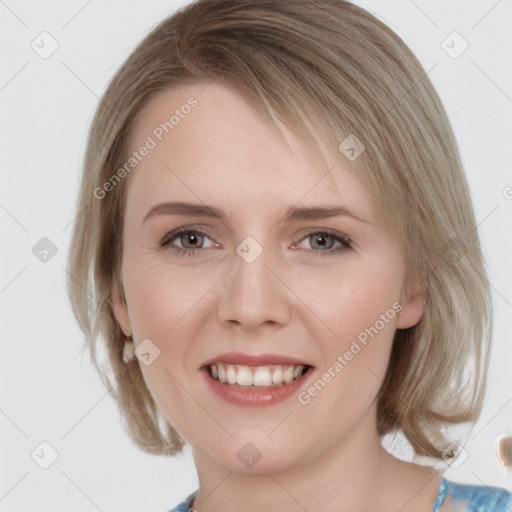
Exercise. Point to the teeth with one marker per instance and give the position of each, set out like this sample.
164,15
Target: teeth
262,376
244,376
221,373
273,375
231,374
288,374
277,377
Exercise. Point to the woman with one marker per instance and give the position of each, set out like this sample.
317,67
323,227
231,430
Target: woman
282,243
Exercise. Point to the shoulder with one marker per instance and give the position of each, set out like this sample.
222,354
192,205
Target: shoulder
186,505
472,498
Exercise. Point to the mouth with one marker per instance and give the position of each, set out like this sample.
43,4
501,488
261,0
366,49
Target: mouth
255,380
268,376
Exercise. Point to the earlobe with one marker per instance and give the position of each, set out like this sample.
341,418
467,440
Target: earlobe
120,309
412,306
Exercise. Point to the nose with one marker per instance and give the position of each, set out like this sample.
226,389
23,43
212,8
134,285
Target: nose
254,294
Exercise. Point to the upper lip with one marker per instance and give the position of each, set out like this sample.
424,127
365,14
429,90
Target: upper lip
254,359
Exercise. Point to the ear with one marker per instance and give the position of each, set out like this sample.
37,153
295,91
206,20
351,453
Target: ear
412,305
120,309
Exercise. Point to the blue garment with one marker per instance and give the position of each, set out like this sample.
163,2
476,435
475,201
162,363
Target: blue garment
479,498
473,498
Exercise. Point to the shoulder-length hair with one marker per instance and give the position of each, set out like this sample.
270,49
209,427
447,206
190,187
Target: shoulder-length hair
332,72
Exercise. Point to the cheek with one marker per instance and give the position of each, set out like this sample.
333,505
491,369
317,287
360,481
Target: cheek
164,303
361,311
351,298
164,295
168,306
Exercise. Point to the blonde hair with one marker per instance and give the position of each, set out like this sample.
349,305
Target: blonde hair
331,65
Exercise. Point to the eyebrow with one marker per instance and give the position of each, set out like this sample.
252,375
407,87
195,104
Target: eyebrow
292,214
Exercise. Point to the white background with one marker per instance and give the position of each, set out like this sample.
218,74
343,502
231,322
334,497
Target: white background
48,392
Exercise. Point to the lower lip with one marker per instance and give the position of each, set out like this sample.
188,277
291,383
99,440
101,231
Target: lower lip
255,397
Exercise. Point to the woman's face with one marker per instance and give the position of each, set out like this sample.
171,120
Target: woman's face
262,279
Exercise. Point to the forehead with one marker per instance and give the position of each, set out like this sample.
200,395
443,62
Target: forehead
206,142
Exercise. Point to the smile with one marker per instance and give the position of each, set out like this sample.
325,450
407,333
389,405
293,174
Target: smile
256,376
260,383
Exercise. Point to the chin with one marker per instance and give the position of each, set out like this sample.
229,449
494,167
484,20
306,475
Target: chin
255,457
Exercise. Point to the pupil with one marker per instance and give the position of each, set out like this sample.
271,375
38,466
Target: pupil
321,240
193,239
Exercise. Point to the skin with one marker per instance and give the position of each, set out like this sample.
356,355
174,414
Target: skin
289,301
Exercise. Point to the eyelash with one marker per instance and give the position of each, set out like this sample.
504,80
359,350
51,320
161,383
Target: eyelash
339,237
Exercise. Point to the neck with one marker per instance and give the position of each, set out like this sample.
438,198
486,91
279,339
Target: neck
337,476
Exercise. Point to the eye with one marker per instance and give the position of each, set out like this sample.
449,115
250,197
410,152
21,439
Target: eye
191,240
325,240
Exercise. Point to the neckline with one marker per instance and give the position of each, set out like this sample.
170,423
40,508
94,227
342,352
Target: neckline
441,494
